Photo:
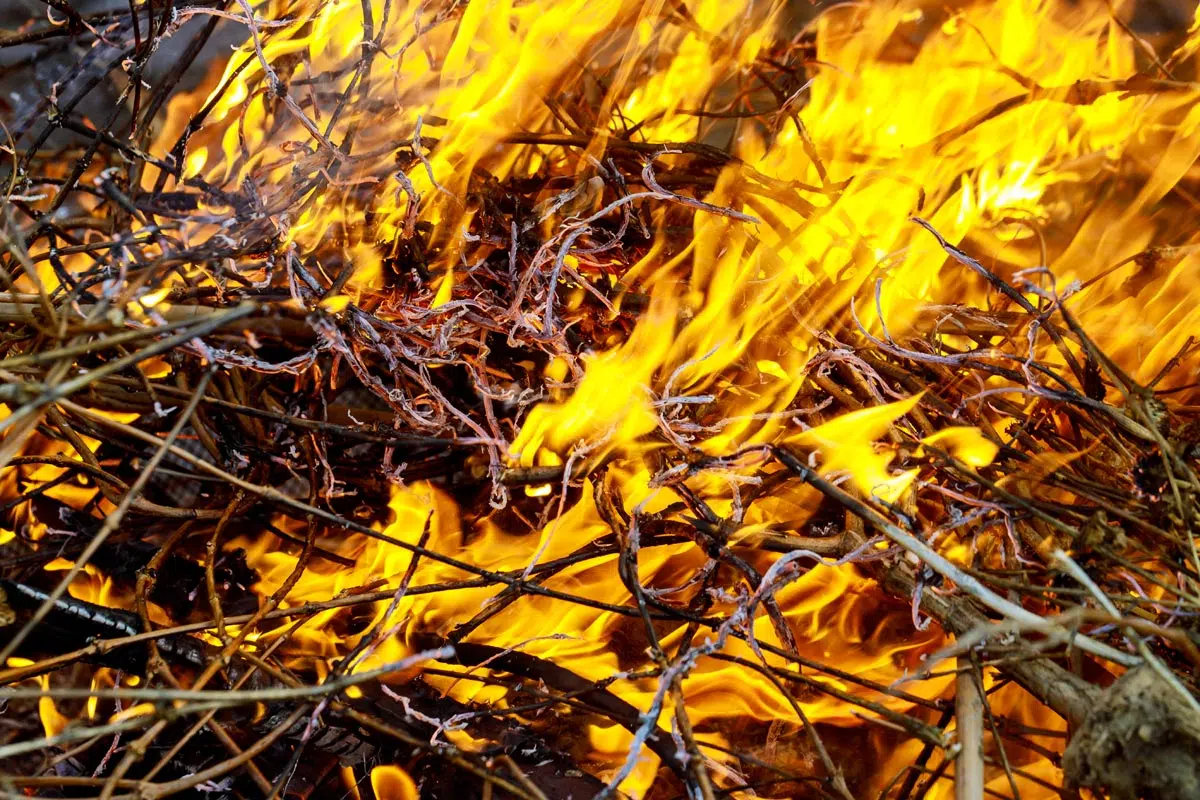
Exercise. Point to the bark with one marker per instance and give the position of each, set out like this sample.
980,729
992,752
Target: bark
1141,740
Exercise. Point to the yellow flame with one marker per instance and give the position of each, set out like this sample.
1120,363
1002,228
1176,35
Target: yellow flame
846,443
53,721
968,445
392,783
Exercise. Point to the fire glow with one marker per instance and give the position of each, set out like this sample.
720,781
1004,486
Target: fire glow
460,172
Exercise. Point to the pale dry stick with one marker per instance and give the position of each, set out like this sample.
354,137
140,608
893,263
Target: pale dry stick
279,89
102,647
690,202
15,440
581,449
21,254
182,15
70,734
29,413
997,738
968,714
158,666
783,571
231,698
110,489
137,749
698,764
88,345
15,307
1006,630
377,634
206,720
6,795
210,561
1135,399
834,772
272,603
110,523
1168,456
450,754
222,768
55,780
888,717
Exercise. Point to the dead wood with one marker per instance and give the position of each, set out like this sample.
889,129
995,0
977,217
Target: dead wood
1140,739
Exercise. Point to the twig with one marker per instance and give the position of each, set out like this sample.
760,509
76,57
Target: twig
968,716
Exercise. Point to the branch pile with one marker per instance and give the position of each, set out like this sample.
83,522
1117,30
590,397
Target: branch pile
183,384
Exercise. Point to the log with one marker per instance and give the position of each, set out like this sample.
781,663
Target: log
1141,740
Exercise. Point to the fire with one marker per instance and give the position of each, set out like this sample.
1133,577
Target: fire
974,131
862,146
963,118
393,783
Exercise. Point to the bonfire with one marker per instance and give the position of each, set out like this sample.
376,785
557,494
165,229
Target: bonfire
600,399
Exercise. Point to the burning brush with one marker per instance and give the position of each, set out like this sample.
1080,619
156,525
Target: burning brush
599,398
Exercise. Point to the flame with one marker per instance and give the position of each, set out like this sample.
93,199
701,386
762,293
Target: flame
53,720
965,118
90,585
968,445
393,783
895,132
846,444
